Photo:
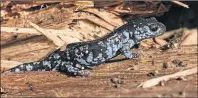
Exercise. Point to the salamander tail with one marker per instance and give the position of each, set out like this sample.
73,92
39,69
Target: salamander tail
32,66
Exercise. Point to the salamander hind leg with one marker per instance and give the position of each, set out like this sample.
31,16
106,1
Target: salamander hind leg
73,69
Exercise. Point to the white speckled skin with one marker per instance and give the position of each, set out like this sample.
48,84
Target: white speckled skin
84,55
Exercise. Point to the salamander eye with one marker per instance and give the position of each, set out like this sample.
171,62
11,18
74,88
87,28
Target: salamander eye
153,27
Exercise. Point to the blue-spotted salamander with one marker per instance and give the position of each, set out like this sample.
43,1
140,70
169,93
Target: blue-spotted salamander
80,56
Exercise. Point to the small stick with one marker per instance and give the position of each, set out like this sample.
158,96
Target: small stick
181,4
155,81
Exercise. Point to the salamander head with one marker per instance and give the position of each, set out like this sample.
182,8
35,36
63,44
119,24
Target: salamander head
147,28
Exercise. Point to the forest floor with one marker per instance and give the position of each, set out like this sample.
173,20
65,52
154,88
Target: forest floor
116,78
130,72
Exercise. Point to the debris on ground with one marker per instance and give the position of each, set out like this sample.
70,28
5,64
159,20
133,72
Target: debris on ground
161,80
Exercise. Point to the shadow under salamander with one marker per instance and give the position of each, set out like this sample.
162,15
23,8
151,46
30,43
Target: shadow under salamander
117,60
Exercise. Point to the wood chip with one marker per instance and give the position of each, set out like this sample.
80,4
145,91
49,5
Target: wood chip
107,16
94,19
156,81
51,36
161,42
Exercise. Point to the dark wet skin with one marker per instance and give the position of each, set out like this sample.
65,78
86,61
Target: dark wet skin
80,56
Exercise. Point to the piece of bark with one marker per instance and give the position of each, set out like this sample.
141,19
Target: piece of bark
106,5
161,39
94,19
58,40
65,32
9,64
191,37
186,32
118,9
107,16
83,3
156,81
51,36
87,29
67,35
169,33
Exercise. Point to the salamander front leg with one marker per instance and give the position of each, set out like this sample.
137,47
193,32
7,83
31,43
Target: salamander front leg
129,55
126,49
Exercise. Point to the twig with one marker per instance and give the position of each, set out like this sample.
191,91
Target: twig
181,4
155,81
